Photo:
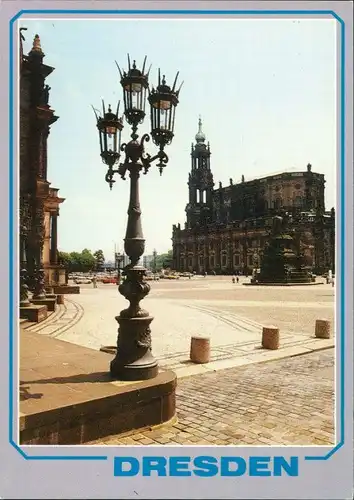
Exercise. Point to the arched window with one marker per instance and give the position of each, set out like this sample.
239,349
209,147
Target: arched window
236,260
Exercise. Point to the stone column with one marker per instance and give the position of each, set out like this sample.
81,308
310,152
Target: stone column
54,239
24,229
39,277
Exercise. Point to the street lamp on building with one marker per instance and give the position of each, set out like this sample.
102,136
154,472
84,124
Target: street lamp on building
134,359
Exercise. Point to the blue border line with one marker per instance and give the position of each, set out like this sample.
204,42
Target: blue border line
12,214
342,252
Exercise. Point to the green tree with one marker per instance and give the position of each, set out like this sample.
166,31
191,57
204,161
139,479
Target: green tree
87,260
99,260
77,261
164,261
64,259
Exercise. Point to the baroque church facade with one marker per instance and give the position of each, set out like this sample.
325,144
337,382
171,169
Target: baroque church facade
227,227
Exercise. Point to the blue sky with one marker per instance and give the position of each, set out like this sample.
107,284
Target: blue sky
266,91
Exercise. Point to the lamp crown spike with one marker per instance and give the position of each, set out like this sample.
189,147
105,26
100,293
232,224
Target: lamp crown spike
174,83
120,71
144,65
94,110
179,90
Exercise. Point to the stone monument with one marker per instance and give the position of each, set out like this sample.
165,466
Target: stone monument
282,262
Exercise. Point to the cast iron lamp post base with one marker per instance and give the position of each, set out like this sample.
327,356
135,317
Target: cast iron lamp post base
143,368
134,359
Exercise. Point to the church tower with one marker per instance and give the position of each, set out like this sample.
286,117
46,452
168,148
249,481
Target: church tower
200,183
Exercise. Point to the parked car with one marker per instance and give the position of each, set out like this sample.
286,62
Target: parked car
109,280
82,281
151,277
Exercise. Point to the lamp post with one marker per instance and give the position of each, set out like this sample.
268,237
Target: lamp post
118,258
134,359
154,255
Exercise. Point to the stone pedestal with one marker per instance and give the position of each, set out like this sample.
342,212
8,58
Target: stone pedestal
270,337
200,350
323,329
49,292
34,313
60,299
49,302
66,289
86,404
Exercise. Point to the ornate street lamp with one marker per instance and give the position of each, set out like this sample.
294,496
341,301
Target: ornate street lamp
134,359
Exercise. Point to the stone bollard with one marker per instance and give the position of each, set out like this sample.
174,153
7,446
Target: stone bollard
270,337
60,299
200,349
323,329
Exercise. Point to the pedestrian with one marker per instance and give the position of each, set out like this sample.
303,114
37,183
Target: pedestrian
330,275
94,281
332,282
237,279
233,279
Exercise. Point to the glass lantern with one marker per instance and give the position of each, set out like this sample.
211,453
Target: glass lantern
135,84
110,130
163,101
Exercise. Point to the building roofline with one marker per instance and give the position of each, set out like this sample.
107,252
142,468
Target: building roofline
274,174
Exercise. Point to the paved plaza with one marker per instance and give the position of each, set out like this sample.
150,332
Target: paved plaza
286,402
232,315
237,398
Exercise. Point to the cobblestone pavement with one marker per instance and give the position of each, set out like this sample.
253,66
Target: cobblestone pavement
286,402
